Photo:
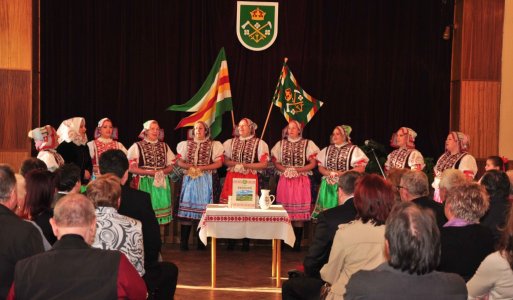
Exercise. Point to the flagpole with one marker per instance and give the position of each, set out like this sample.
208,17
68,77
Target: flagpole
270,108
233,120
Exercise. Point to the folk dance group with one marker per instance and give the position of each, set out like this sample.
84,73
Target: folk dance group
152,162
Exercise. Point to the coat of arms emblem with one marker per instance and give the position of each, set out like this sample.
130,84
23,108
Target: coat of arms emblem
257,24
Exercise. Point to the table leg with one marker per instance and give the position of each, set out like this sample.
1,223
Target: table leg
278,263
214,262
273,269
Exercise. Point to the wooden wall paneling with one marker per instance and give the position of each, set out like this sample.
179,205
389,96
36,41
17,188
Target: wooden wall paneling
16,34
482,39
15,112
479,107
14,159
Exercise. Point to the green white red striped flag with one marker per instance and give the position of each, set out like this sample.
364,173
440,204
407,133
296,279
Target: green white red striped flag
293,101
212,100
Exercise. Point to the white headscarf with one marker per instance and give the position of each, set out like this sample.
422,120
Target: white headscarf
69,130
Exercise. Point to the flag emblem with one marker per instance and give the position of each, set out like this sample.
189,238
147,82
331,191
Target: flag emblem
257,24
294,102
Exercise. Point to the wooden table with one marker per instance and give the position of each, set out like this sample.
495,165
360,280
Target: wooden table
219,221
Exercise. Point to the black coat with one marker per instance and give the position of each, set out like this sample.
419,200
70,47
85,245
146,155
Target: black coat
437,208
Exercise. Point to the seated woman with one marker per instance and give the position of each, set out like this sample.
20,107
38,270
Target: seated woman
497,185
465,242
494,277
359,245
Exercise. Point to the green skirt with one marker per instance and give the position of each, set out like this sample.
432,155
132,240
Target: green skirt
160,199
326,199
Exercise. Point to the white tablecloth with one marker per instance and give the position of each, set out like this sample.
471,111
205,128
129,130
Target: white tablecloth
219,221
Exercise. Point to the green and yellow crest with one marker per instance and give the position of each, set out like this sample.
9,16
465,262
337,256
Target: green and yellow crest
257,24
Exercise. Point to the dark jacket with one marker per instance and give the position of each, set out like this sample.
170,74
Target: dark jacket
437,208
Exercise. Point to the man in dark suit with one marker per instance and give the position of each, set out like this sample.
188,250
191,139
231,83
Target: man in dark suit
414,187
18,239
309,285
160,277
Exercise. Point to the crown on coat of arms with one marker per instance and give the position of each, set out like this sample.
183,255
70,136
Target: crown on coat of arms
257,14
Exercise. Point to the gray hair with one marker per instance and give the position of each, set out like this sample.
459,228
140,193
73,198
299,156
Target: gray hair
416,183
74,210
468,201
451,178
7,182
346,181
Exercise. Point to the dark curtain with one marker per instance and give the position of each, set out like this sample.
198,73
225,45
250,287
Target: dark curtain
376,65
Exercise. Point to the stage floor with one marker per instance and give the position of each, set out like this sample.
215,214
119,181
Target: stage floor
240,275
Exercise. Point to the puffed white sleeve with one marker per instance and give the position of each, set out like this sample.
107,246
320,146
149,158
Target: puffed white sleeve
121,147
416,160
387,163
263,151
217,151
49,160
133,154
468,166
181,149
91,147
170,158
312,150
276,152
227,147
358,158
321,157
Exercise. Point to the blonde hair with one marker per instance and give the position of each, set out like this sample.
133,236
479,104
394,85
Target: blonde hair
105,190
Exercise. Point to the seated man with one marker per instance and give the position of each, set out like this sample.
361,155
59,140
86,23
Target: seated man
160,277
67,181
115,231
72,269
412,247
415,187
18,239
308,287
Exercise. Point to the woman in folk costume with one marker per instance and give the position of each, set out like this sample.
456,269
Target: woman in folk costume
405,156
200,157
334,160
72,146
294,159
105,138
151,160
455,157
245,155
45,140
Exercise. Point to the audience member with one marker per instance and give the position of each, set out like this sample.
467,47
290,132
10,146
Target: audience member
494,277
394,177
496,163
19,239
72,269
30,164
449,179
465,242
115,231
308,286
415,187
412,248
160,277
497,186
359,245
67,181
40,190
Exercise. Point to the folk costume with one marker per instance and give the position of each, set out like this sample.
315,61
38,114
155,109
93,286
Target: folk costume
199,188
336,158
293,190
45,141
153,155
100,145
462,161
72,146
405,157
240,149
